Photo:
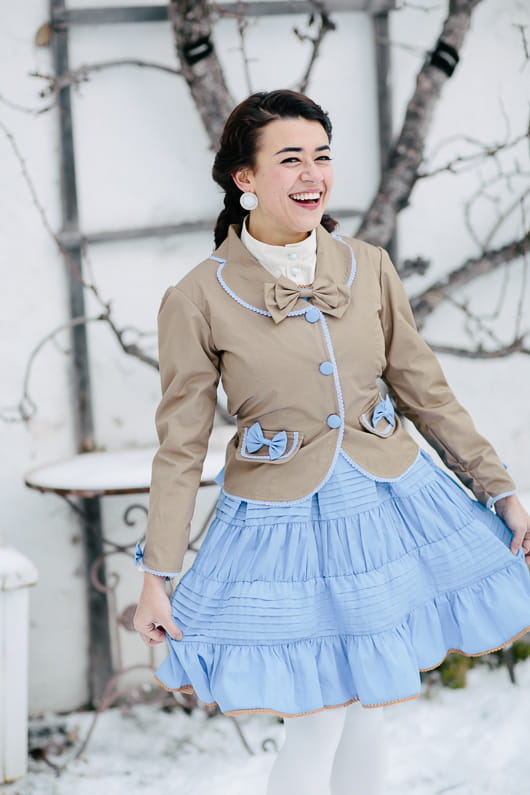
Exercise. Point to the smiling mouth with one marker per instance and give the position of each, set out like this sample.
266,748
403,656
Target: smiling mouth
307,199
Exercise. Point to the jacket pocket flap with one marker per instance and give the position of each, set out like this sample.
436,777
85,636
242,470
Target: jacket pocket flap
268,446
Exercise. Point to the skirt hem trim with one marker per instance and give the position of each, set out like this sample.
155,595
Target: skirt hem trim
189,689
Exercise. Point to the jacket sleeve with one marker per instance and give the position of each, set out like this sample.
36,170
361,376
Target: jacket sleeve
421,393
189,375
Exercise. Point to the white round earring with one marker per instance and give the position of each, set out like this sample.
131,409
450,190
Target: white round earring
248,201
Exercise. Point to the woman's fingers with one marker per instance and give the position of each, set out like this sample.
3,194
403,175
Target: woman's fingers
515,516
152,635
526,546
153,632
153,615
517,540
172,629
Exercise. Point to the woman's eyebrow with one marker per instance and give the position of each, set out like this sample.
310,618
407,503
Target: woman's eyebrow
299,149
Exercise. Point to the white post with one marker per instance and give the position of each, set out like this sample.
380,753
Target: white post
17,573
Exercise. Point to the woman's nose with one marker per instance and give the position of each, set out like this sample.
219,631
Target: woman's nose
311,173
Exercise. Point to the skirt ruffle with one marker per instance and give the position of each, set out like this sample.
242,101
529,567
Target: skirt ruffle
344,596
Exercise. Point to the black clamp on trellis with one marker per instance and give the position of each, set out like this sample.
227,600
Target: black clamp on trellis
444,57
197,50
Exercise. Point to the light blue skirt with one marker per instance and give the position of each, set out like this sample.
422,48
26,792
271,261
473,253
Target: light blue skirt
344,596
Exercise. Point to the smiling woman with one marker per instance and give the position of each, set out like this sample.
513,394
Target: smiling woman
342,560
281,154
292,178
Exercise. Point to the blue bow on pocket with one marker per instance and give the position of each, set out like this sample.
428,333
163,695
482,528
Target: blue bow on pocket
255,439
384,409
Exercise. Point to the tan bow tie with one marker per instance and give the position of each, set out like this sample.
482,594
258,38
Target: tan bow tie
281,297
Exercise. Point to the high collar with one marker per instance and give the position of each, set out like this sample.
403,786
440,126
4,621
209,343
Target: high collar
292,260
244,278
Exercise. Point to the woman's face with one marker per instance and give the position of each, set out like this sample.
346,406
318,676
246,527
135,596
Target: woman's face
292,179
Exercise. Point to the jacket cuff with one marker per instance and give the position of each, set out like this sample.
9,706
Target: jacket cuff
492,500
138,560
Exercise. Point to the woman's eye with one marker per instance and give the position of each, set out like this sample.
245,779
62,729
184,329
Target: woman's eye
324,158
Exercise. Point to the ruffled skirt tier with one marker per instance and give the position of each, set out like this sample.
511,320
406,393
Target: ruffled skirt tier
345,595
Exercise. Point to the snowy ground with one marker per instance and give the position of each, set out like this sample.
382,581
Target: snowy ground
473,741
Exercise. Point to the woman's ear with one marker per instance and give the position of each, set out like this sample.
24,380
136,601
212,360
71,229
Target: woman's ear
242,179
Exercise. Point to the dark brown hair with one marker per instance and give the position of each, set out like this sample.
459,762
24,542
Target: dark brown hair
239,144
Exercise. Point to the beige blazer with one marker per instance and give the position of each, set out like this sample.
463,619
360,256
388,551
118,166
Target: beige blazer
300,369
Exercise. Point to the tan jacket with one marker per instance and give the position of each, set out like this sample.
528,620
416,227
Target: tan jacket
302,382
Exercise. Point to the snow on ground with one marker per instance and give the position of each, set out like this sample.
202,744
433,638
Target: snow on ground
473,741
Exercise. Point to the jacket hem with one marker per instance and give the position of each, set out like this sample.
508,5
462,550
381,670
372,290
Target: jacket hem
380,479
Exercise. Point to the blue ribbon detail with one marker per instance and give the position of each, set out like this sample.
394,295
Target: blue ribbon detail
138,553
384,409
255,439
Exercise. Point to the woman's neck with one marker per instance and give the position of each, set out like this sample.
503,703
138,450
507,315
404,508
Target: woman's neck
274,237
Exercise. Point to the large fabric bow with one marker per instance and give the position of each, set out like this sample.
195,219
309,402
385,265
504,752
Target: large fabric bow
281,297
255,439
384,409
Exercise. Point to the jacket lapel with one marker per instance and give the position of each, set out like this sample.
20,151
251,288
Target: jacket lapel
246,278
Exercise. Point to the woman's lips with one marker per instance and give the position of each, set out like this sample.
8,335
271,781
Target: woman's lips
307,199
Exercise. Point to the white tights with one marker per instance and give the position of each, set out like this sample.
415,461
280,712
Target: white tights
339,751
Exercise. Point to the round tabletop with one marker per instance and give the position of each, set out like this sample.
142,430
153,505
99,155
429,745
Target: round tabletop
118,471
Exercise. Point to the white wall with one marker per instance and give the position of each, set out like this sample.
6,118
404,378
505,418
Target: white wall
143,158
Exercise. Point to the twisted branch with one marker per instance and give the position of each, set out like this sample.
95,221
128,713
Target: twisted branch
426,302
405,157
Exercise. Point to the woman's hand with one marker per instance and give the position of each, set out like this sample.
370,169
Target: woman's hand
514,515
154,611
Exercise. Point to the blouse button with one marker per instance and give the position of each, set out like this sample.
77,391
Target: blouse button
326,368
292,255
312,315
334,421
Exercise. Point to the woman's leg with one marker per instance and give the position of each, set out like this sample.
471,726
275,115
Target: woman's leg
360,764
303,765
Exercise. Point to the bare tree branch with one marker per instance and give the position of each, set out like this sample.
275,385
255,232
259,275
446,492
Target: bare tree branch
406,155
426,302
26,408
130,348
523,288
74,77
416,7
484,192
477,324
242,24
469,161
200,65
517,346
524,39
417,266
326,25
24,108
80,74
37,203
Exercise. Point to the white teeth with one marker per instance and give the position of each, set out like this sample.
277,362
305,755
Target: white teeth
305,196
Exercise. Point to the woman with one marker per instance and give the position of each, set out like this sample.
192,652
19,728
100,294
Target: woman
342,560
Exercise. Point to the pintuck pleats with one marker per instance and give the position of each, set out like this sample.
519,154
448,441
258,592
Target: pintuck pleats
344,596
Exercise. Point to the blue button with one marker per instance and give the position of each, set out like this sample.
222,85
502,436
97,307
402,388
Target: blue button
326,368
334,421
312,315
